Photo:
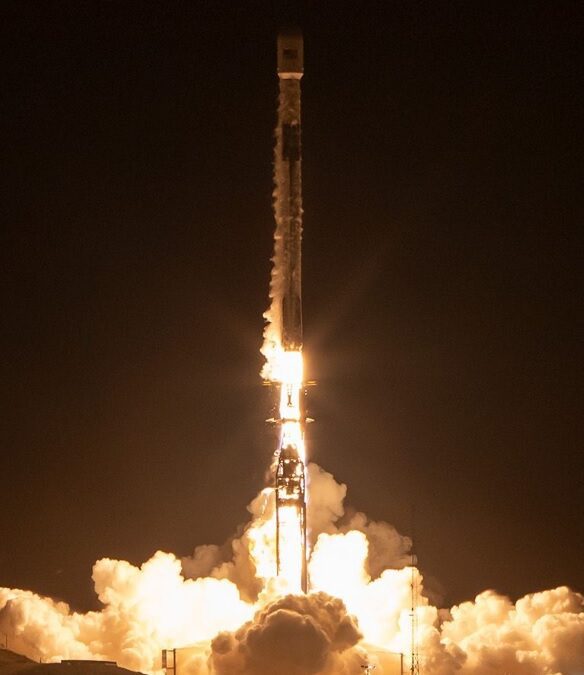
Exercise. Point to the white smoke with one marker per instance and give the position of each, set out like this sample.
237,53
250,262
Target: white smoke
241,622
296,635
540,633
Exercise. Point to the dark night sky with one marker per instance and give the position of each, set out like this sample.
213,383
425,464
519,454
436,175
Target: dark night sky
441,279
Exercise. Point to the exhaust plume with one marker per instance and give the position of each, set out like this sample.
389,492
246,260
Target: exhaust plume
242,621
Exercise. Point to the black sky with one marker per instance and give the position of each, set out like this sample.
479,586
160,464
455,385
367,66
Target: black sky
441,279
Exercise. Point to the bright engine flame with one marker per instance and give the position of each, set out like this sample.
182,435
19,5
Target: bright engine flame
291,375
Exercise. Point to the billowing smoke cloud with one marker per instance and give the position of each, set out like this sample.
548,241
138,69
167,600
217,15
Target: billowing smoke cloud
540,633
296,635
224,601
386,547
145,609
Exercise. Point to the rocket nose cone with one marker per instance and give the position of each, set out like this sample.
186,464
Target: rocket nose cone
290,53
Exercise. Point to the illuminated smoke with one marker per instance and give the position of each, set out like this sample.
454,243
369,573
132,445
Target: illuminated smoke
237,617
296,635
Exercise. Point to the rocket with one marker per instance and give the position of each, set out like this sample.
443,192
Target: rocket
288,164
290,479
